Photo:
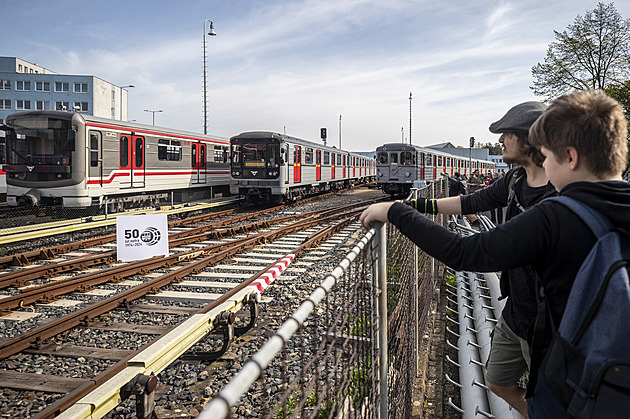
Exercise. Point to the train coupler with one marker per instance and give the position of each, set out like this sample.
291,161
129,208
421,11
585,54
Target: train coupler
253,300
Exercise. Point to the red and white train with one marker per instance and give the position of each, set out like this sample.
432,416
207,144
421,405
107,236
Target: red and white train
276,167
80,161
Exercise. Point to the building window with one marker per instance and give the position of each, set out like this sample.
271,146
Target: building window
113,113
42,86
62,86
22,105
81,106
23,85
62,106
5,85
113,95
5,104
42,105
19,68
80,87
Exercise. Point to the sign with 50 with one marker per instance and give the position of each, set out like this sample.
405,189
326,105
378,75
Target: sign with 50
141,236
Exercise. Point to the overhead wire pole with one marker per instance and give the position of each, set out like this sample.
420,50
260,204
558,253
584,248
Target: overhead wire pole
409,118
211,32
339,132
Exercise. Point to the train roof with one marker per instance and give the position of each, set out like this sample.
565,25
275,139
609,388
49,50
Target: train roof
277,136
114,123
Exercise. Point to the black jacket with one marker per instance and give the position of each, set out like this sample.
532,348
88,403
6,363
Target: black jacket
518,283
549,236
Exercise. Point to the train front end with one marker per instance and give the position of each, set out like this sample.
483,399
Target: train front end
396,168
256,161
45,159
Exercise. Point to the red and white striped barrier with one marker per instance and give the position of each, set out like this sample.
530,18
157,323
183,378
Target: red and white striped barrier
264,280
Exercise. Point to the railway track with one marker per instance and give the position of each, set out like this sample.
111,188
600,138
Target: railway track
217,268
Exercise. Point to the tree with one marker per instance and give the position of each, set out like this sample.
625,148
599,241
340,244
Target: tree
621,93
495,149
592,53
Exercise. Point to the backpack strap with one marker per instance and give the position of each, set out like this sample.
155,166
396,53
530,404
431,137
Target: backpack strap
516,176
598,223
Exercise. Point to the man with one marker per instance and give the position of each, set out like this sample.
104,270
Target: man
519,189
475,182
583,137
455,185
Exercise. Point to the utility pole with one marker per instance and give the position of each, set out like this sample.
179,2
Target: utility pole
339,132
409,118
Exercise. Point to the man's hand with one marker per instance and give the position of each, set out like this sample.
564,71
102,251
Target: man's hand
375,212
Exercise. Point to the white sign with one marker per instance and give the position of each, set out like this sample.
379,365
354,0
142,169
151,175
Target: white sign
141,236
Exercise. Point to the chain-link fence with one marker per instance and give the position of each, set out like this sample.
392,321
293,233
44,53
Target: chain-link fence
327,359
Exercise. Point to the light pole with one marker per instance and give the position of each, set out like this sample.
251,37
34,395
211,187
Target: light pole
154,112
211,32
121,101
409,117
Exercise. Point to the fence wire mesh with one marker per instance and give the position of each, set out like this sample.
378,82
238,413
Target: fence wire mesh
330,366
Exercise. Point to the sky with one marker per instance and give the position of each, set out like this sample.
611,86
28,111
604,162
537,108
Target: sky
298,66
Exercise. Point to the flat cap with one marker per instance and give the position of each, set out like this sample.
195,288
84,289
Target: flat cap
520,118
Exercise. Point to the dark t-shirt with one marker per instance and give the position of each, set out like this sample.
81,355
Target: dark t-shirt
518,284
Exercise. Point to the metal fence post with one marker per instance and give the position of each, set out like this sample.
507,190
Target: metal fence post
381,289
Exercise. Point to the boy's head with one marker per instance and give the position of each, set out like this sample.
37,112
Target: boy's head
516,122
589,121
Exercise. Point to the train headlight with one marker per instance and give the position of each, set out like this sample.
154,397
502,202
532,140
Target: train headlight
236,173
407,174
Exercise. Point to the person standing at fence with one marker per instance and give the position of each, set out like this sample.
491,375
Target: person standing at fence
456,185
583,137
475,182
521,188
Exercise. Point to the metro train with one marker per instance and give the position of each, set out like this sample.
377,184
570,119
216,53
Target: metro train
274,167
81,161
400,165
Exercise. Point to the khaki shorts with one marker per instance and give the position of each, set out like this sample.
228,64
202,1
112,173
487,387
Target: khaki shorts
509,357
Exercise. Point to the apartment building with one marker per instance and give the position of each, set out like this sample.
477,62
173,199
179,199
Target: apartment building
26,86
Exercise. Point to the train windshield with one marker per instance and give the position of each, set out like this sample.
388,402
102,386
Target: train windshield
252,155
382,157
39,148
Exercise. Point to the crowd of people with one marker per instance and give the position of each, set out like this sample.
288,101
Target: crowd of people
577,148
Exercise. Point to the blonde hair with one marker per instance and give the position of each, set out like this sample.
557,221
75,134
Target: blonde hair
589,121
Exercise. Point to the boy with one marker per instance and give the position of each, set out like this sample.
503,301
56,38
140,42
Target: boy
583,138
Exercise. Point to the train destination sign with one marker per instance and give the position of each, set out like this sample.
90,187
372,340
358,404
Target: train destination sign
141,236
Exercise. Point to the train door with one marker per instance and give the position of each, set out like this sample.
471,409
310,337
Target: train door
198,162
354,166
332,165
297,164
95,168
318,165
434,167
131,157
344,166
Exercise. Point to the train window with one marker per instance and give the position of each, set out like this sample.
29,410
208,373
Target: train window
218,154
406,158
338,159
95,139
308,156
439,161
139,151
170,150
202,156
326,158
393,158
382,157
236,153
124,151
